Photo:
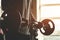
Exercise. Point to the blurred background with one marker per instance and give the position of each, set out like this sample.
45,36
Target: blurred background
49,9
43,9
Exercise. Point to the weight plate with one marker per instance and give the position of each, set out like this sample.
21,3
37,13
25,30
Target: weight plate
48,27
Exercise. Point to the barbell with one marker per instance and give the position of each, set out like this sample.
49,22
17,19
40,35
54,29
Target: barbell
46,26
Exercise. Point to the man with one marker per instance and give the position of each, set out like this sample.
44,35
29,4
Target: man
11,23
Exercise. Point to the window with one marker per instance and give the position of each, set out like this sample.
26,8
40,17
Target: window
49,9
50,1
